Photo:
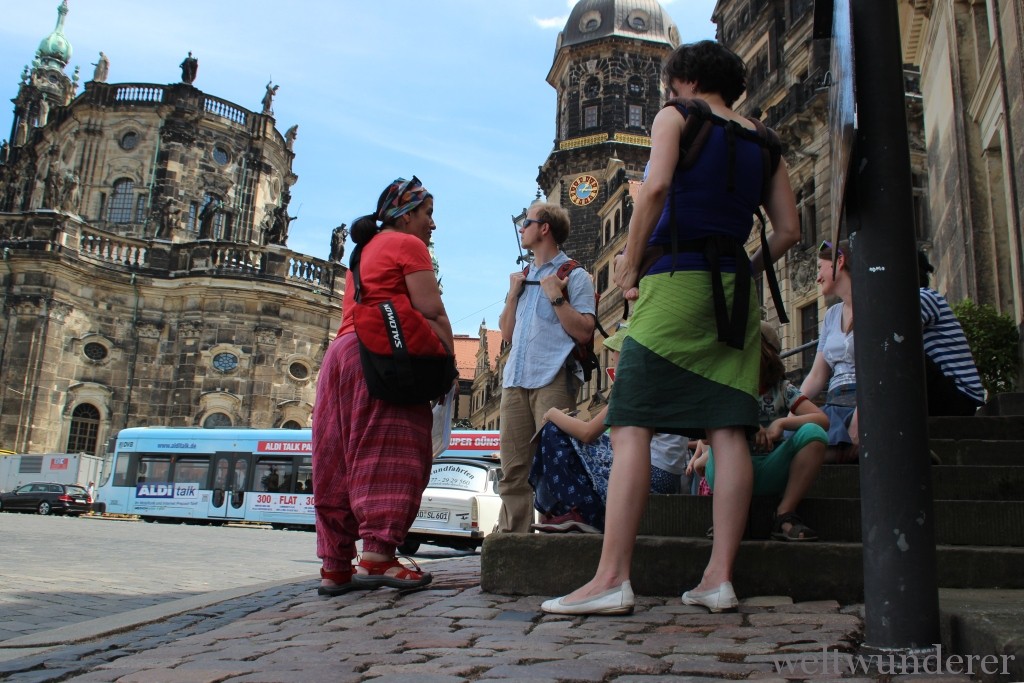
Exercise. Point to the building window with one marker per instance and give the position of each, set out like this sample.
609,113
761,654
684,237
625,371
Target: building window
298,370
808,214
808,333
602,280
218,218
140,209
129,141
635,87
636,116
225,362
193,212
590,117
85,423
291,424
121,201
214,420
592,88
220,155
95,351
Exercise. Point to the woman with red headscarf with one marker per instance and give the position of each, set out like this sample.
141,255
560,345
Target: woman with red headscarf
371,458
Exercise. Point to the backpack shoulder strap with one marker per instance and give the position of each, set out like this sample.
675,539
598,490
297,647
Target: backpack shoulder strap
695,130
568,267
563,272
771,154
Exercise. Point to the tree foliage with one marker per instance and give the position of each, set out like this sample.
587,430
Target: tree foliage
994,342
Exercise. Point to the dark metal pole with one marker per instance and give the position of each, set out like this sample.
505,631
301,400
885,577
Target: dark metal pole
900,593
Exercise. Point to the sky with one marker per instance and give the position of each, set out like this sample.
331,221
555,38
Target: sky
453,91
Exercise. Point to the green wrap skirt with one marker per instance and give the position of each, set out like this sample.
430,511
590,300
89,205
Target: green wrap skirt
674,375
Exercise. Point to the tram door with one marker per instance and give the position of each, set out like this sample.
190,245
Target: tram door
230,476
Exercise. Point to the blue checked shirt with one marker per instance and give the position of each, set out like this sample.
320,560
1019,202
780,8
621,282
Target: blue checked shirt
540,345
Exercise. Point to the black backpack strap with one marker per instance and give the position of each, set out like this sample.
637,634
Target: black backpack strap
696,129
353,265
771,156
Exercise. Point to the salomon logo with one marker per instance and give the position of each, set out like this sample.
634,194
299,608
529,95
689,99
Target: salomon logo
392,322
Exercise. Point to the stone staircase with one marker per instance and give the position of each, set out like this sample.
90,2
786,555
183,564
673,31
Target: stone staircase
978,494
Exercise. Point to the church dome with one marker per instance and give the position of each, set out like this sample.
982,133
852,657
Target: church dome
634,19
55,49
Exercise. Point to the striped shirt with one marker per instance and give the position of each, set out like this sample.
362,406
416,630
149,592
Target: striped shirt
945,344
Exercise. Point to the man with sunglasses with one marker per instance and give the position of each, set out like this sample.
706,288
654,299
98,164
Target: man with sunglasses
543,318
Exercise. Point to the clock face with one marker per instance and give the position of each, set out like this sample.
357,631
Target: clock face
583,190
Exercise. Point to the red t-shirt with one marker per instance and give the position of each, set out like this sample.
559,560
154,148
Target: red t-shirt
385,262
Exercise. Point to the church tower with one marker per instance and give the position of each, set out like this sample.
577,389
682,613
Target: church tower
44,86
607,73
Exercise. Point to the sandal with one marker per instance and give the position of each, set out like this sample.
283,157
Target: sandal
342,579
377,575
798,531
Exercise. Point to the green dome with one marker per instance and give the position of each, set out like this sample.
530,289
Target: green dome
54,49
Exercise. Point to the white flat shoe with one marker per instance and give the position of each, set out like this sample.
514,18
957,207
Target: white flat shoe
717,600
617,600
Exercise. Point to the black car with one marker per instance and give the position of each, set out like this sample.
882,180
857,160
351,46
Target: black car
45,498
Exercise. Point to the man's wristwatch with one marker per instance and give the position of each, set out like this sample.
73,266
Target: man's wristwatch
558,301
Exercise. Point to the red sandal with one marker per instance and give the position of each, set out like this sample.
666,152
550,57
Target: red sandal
341,578
376,575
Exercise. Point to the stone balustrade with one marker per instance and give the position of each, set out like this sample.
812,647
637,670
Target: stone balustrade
47,230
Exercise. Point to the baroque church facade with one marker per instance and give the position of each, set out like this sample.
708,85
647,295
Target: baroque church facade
146,275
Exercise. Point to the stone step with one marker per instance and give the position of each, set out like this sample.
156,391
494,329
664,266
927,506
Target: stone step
556,564
1009,403
993,428
957,522
1007,452
949,482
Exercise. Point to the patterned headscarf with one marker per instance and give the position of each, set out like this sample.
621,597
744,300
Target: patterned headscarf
401,197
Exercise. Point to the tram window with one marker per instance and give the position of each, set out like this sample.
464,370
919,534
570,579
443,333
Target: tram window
191,471
274,475
305,484
154,468
121,470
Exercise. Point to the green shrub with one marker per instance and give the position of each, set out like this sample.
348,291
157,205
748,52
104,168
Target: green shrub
994,340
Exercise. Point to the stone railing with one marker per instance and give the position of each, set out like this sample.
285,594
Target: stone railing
225,109
119,251
138,92
585,141
54,231
633,139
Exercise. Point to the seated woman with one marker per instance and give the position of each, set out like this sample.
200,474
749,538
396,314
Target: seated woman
834,363
573,462
785,466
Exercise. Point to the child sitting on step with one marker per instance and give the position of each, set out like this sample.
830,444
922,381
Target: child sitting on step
783,465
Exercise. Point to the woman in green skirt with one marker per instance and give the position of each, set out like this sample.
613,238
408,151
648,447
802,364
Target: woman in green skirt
691,361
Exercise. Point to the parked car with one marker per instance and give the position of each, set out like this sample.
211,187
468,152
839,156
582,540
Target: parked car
46,498
460,505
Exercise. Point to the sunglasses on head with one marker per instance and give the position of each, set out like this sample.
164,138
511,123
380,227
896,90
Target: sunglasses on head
828,245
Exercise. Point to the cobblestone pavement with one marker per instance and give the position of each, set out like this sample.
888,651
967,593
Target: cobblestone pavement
451,632
61,570
454,632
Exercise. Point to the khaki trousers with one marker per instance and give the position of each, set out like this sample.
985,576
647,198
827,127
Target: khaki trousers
522,414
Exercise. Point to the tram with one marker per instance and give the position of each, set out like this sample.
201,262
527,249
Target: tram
213,476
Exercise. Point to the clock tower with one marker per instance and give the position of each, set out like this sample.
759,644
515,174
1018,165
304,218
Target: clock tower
607,73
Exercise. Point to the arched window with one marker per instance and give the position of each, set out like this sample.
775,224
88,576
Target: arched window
121,201
291,424
218,218
85,423
214,420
